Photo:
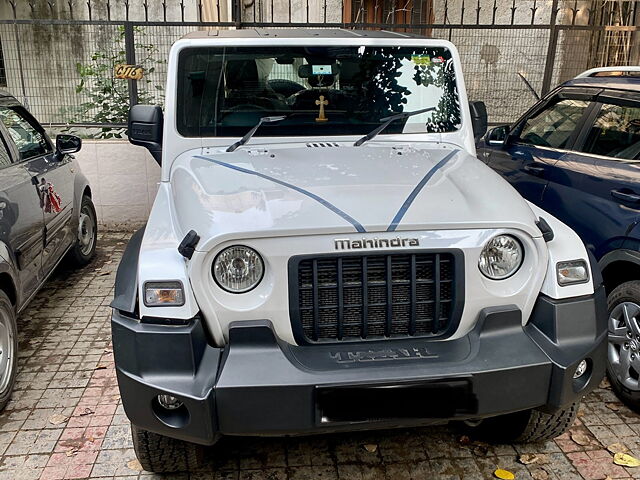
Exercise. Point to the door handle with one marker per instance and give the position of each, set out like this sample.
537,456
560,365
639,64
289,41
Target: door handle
534,170
627,197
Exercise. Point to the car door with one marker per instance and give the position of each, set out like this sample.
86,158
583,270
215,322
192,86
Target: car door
53,173
596,188
21,218
539,140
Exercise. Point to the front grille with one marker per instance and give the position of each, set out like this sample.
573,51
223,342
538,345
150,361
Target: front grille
354,297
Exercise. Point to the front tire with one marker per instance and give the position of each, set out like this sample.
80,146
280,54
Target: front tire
528,426
160,454
8,349
623,359
84,249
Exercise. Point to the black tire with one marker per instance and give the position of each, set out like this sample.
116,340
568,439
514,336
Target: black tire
528,426
80,253
626,292
8,321
160,454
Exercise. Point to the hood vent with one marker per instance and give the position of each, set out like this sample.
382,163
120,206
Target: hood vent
322,145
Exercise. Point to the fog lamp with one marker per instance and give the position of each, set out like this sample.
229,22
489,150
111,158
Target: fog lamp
580,369
169,402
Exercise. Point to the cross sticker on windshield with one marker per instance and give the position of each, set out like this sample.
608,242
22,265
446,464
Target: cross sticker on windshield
322,102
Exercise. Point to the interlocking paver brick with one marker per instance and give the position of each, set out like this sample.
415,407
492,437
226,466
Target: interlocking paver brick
66,368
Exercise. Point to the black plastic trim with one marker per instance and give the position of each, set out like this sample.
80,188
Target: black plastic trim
457,304
260,385
125,297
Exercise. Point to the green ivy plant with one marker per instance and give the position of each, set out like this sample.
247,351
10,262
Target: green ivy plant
105,99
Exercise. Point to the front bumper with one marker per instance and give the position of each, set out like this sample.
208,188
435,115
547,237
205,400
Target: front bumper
258,385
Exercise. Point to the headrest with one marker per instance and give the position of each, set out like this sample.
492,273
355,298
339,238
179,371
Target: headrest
240,73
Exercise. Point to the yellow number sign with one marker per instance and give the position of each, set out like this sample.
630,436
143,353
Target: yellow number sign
129,72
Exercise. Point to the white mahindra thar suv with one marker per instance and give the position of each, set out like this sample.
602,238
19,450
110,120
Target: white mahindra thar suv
326,253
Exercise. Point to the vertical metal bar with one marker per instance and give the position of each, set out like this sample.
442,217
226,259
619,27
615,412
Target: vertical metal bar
365,299
478,9
316,311
271,11
436,305
237,8
414,296
551,50
89,8
340,286
324,10
495,9
389,316
513,12
534,9
19,53
130,56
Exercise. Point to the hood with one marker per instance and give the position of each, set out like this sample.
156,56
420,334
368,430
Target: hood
341,189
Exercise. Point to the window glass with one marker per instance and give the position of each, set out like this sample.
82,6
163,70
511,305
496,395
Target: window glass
323,90
5,157
615,133
553,126
31,141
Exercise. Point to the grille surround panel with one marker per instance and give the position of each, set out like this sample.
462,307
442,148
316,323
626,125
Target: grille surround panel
332,310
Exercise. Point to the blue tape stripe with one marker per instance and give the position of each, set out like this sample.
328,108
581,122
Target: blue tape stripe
318,199
412,196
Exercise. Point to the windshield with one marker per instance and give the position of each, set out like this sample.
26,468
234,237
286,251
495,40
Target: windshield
341,90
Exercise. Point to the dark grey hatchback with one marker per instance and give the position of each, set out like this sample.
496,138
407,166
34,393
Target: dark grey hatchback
45,212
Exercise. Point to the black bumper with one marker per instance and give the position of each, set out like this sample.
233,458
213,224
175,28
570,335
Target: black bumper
258,385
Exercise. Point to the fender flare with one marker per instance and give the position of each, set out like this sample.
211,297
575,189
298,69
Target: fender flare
125,296
619,255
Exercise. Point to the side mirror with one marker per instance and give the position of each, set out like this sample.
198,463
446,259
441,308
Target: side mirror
67,144
479,118
145,129
497,136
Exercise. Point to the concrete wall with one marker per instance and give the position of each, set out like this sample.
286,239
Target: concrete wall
124,181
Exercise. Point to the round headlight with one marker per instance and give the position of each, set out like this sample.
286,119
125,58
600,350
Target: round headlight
501,257
238,269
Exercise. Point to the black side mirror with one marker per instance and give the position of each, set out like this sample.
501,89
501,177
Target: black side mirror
145,129
67,144
479,118
497,136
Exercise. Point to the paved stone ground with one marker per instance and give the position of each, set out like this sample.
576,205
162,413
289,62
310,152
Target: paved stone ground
65,419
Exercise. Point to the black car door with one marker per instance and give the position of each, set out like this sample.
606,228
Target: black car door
55,180
539,140
596,188
21,217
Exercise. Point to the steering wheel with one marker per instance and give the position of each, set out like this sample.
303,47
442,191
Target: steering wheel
536,140
248,107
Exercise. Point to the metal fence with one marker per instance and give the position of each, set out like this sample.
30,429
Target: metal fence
59,56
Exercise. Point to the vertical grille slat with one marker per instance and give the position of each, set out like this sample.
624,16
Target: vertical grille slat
339,288
368,297
389,280
316,301
436,308
365,298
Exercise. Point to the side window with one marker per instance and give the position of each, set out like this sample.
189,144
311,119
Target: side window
5,156
615,132
553,126
29,139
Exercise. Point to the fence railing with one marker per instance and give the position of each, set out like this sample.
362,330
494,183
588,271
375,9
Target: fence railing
59,56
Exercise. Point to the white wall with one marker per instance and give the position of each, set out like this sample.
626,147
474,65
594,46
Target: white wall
124,181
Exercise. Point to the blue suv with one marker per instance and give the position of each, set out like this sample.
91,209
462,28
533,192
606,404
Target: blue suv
576,154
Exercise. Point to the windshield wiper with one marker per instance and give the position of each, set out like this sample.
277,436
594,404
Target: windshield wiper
250,133
387,121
